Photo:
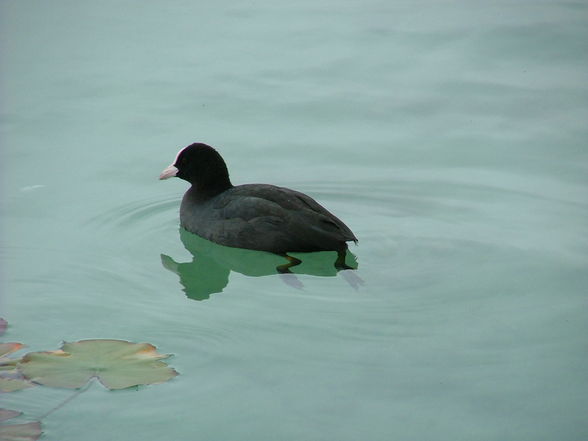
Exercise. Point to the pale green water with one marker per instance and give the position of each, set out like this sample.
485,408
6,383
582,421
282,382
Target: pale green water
449,135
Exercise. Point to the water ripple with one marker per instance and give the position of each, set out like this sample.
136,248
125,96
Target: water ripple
133,213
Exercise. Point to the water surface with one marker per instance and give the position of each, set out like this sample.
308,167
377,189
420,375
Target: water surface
449,135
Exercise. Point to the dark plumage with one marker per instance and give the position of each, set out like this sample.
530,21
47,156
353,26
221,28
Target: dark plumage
254,216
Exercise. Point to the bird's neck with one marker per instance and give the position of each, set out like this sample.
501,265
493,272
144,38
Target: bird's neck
207,190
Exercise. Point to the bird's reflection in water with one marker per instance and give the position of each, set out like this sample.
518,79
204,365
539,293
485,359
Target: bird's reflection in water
211,264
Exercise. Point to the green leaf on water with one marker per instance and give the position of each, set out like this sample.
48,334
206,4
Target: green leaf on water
8,348
117,364
13,384
10,379
18,432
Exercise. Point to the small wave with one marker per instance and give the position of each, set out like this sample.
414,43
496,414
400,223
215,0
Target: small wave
137,212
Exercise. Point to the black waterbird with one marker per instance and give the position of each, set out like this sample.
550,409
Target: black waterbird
254,216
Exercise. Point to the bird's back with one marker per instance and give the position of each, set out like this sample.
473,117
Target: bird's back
264,217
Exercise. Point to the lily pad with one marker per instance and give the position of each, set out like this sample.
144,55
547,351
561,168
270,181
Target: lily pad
7,414
8,348
13,384
18,432
117,364
10,379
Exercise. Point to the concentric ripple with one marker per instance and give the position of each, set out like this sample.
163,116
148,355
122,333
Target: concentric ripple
133,214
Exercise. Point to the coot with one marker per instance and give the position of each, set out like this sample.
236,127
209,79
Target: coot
254,216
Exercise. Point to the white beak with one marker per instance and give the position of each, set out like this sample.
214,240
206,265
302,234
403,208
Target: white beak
169,172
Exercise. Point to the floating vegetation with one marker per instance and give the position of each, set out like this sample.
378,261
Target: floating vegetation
117,364
11,379
18,432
